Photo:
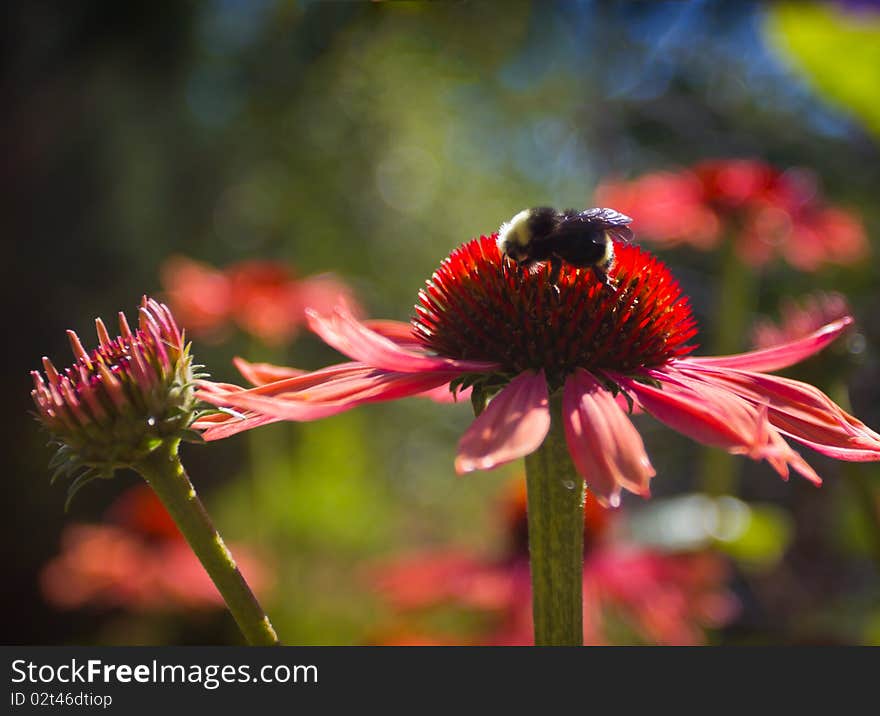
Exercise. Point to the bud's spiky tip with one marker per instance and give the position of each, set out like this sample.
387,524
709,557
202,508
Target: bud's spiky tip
117,403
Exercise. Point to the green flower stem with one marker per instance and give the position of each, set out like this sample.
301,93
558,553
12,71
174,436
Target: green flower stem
556,541
164,472
736,302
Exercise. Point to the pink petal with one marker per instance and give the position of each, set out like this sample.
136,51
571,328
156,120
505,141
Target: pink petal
306,385
514,424
444,395
781,356
798,410
398,331
711,416
219,426
840,453
714,416
605,446
324,393
778,453
356,340
271,408
262,373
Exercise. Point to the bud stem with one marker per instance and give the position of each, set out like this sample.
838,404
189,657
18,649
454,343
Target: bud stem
556,540
164,472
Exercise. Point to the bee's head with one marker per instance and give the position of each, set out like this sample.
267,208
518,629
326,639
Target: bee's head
515,235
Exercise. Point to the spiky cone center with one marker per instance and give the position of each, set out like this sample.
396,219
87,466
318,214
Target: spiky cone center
479,305
116,403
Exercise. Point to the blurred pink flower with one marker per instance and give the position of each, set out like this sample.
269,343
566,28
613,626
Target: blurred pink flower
800,318
596,344
662,598
262,297
137,561
766,211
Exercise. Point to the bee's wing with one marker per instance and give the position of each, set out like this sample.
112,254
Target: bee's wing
621,233
612,221
606,216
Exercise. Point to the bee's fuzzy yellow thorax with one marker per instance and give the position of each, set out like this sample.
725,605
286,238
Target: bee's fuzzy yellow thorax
514,232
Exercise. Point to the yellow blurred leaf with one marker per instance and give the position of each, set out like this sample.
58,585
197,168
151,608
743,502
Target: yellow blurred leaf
838,51
762,538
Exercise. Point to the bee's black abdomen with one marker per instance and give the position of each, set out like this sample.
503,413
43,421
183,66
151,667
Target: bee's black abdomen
581,251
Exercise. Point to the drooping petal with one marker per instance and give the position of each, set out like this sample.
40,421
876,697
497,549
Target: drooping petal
780,356
718,417
514,424
605,447
796,409
772,447
840,453
712,416
354,339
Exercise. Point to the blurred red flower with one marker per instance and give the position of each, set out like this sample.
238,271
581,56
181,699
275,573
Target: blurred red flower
765,210
800,318
263,298
137,561
658,597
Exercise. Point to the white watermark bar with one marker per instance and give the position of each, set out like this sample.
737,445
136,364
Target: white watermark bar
134,679
209,676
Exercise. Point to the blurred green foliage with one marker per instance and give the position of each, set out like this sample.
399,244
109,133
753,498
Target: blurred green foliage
837,49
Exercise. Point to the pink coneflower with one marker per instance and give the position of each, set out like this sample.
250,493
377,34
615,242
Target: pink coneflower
587,347
138,560
765,211
662,598
114,403
263,298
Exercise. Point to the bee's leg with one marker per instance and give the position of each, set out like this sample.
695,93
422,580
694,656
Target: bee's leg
602,276
555,271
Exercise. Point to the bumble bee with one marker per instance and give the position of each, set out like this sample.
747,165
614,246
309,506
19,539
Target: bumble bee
579,238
